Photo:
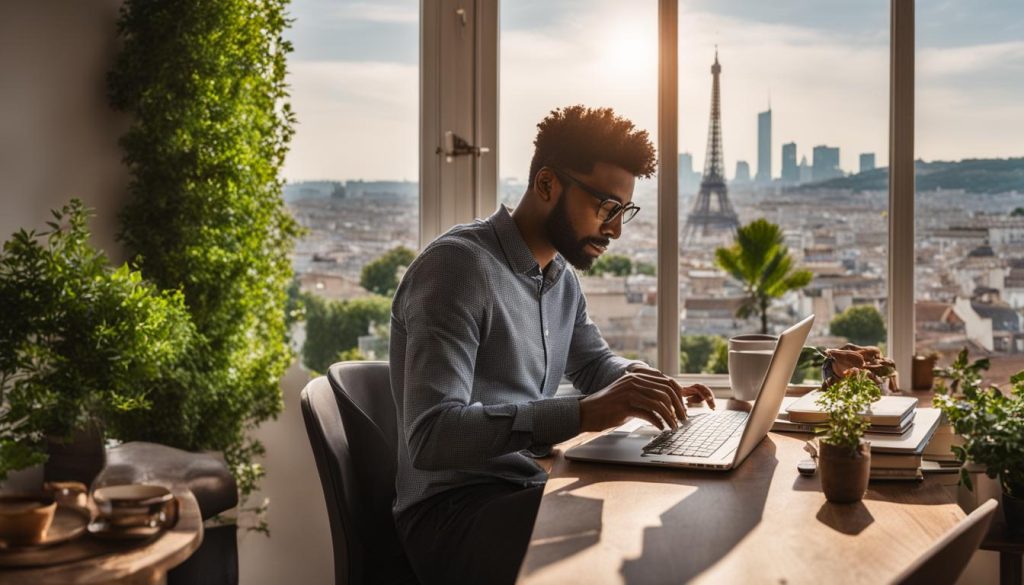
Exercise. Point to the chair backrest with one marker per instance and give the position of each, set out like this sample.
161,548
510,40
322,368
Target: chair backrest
947,558
356,463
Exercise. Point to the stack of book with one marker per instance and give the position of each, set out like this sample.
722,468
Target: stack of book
898,434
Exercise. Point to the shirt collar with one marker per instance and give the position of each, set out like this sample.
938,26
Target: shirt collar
518,254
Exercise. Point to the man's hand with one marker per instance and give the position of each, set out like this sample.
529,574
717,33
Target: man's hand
644,393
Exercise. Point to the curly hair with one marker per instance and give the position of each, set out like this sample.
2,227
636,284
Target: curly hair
576,137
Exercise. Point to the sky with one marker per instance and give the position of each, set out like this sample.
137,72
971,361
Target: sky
825,71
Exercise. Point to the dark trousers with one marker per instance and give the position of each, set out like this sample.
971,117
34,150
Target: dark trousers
474,534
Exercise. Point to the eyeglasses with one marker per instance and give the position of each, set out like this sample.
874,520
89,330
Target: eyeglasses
609,208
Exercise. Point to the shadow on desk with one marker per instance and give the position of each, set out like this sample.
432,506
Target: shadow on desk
682,526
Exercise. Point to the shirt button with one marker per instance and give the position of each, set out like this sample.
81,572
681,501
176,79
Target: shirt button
547,332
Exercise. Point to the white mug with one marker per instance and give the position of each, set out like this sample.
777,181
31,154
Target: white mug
749,357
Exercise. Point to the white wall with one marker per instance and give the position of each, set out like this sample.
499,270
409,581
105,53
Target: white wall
58,137
299,547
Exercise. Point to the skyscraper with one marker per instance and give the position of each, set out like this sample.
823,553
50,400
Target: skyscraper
790,172
806,174
689,180
826,163
764,146
867,162
742,172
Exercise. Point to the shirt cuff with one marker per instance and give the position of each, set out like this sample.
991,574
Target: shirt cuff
551,420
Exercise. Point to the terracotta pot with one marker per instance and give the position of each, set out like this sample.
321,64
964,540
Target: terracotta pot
79,458
922,372
844,475
1013,511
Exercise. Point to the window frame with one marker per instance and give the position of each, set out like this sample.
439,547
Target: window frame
452,193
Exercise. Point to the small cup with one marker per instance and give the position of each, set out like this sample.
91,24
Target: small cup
25,519
749,356
68,493
135,505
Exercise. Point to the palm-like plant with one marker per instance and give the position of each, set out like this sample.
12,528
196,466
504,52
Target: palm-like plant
760,261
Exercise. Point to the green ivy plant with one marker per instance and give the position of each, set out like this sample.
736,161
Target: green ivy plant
204,83
991,423
845,402
81,343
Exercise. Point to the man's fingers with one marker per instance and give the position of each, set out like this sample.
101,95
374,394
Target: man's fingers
669,387
703,392
647,416
655,407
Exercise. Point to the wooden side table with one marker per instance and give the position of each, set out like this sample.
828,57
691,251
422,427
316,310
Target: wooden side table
1010,548
122,562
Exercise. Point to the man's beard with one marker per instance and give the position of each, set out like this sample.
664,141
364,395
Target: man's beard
559,232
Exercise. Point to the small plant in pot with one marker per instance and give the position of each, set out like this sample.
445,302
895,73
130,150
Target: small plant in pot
844,458
81,343
992,426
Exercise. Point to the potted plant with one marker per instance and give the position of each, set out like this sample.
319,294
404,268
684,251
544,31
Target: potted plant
992,426
81,343
844,458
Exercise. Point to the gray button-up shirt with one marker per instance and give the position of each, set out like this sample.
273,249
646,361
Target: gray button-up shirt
480,339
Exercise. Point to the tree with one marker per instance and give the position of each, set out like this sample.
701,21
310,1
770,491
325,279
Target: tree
762,264
718,363
204,84
861,324
646,268
694,351
381,275
1017,212
333,327
615,264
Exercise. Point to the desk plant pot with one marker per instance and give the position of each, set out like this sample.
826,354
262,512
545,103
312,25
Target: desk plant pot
844,473
922,372
79,457
1013,511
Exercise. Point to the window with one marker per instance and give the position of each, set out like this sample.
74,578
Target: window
969,286
554,55
352,170
804,128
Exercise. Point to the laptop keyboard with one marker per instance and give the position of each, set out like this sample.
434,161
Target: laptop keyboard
698,436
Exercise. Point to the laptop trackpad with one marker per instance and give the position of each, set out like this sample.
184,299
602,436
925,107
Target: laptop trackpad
614,446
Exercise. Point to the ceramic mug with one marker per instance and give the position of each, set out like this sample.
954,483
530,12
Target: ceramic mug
749,357
135,505
25,519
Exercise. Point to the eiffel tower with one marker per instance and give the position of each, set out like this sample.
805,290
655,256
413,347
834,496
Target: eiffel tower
706,221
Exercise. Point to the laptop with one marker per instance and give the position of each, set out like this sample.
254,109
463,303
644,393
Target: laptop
708,439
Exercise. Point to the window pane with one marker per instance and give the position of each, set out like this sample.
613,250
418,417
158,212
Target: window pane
353,166
599,54
970,188
804,124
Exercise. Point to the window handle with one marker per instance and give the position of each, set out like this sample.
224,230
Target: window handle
455,145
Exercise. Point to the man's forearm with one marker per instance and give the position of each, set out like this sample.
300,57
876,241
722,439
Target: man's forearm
457,436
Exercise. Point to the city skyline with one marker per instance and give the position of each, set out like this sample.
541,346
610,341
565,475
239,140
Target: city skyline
354,77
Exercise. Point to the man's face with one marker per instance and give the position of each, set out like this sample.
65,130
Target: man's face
573,226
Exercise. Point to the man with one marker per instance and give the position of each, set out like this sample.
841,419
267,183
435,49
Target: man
485,323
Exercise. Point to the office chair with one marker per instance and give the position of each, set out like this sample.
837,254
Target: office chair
947,558
350,420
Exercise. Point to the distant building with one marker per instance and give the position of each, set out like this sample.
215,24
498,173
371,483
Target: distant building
790,172
689,180
867,162
826,163
742,172
805,170
764,146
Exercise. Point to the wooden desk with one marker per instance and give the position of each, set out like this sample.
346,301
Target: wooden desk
122,562
761,523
